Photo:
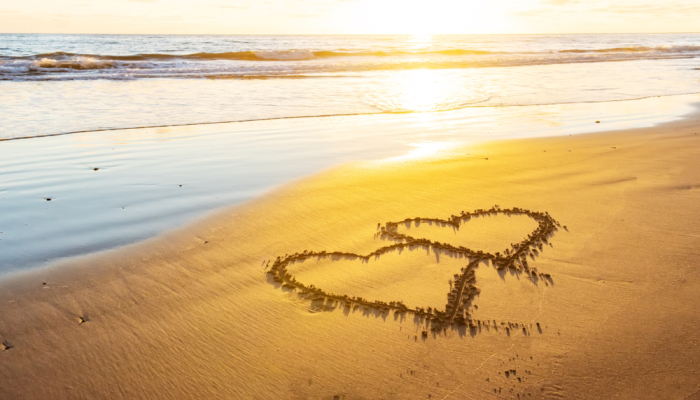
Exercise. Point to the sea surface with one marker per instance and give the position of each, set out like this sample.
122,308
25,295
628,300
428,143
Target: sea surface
65,83
294,106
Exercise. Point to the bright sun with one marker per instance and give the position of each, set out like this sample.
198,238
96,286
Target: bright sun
420,18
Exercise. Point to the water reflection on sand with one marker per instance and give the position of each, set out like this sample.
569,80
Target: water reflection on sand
112,188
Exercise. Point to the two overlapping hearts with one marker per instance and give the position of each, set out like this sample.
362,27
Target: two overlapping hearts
463,290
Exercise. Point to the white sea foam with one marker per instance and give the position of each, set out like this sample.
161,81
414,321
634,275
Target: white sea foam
79,63
268,57
285,55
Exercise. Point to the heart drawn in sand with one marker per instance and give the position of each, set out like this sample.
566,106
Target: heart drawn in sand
463,291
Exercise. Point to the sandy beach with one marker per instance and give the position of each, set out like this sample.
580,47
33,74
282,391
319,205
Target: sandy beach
610,311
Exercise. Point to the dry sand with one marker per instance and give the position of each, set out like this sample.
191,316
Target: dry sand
193,314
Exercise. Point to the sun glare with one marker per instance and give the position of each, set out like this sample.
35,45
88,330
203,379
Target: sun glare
421,40
419,90
423,150
416,18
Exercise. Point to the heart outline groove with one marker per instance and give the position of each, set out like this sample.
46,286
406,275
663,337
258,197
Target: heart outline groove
463,291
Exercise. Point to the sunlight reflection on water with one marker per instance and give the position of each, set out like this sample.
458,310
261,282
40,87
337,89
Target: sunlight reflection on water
39,108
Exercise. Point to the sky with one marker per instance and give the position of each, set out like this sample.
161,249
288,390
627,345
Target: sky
348,16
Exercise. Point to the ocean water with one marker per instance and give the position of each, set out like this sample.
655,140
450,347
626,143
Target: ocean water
65,57
54,84
420,94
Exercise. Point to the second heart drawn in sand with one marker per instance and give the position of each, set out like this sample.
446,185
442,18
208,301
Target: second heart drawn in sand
463,291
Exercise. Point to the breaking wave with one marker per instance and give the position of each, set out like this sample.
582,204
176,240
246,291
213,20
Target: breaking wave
295,63
262,55
639,49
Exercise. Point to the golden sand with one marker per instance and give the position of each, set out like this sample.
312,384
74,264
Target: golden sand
194,313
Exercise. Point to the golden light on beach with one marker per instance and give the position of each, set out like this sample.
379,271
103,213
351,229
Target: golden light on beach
424,150
349,199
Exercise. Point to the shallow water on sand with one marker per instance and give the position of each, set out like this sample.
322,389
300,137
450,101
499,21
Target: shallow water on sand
45,108
151,180
67,83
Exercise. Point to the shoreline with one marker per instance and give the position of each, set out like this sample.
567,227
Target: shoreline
194,124
439,153
150,181
192,313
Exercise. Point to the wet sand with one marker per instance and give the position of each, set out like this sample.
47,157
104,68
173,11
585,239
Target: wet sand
610,311
152,180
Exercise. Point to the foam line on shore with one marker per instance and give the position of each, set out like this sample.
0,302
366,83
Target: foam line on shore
340,115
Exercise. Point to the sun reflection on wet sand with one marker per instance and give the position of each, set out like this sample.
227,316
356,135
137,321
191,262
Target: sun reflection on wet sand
138,188
424,150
